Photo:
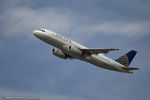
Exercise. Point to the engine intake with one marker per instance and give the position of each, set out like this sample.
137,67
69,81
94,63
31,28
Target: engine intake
59,53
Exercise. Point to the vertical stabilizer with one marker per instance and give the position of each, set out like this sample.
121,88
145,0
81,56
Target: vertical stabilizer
127,58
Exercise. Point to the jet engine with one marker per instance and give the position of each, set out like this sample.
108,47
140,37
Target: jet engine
74,50
59,53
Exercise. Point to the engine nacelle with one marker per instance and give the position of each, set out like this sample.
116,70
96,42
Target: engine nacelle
59,53
75,51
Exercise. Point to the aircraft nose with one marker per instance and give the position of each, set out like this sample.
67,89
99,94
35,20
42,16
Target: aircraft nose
35,32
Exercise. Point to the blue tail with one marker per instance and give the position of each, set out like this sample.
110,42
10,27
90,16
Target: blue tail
127,58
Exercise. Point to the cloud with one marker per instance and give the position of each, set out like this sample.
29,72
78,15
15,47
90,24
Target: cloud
122,28
21,21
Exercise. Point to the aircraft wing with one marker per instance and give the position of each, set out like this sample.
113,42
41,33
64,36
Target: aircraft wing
96,51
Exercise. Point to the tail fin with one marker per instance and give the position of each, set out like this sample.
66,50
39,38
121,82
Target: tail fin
127,58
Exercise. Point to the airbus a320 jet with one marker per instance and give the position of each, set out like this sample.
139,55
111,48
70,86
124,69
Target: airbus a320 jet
66,48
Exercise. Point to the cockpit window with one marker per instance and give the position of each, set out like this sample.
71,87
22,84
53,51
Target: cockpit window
42,30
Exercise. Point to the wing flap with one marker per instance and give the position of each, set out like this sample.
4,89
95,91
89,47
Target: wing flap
96,51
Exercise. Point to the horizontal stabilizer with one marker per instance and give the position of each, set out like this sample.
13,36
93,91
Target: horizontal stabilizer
130,68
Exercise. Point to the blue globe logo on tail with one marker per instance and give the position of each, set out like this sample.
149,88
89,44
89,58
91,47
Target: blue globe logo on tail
127,58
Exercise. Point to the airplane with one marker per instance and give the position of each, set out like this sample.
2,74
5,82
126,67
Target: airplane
69,49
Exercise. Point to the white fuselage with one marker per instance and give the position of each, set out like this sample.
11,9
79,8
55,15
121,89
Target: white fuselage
60,42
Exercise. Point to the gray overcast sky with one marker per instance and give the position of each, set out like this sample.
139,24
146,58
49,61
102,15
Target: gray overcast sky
27,67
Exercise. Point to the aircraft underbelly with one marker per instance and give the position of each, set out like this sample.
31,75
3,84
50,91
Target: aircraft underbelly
96,60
